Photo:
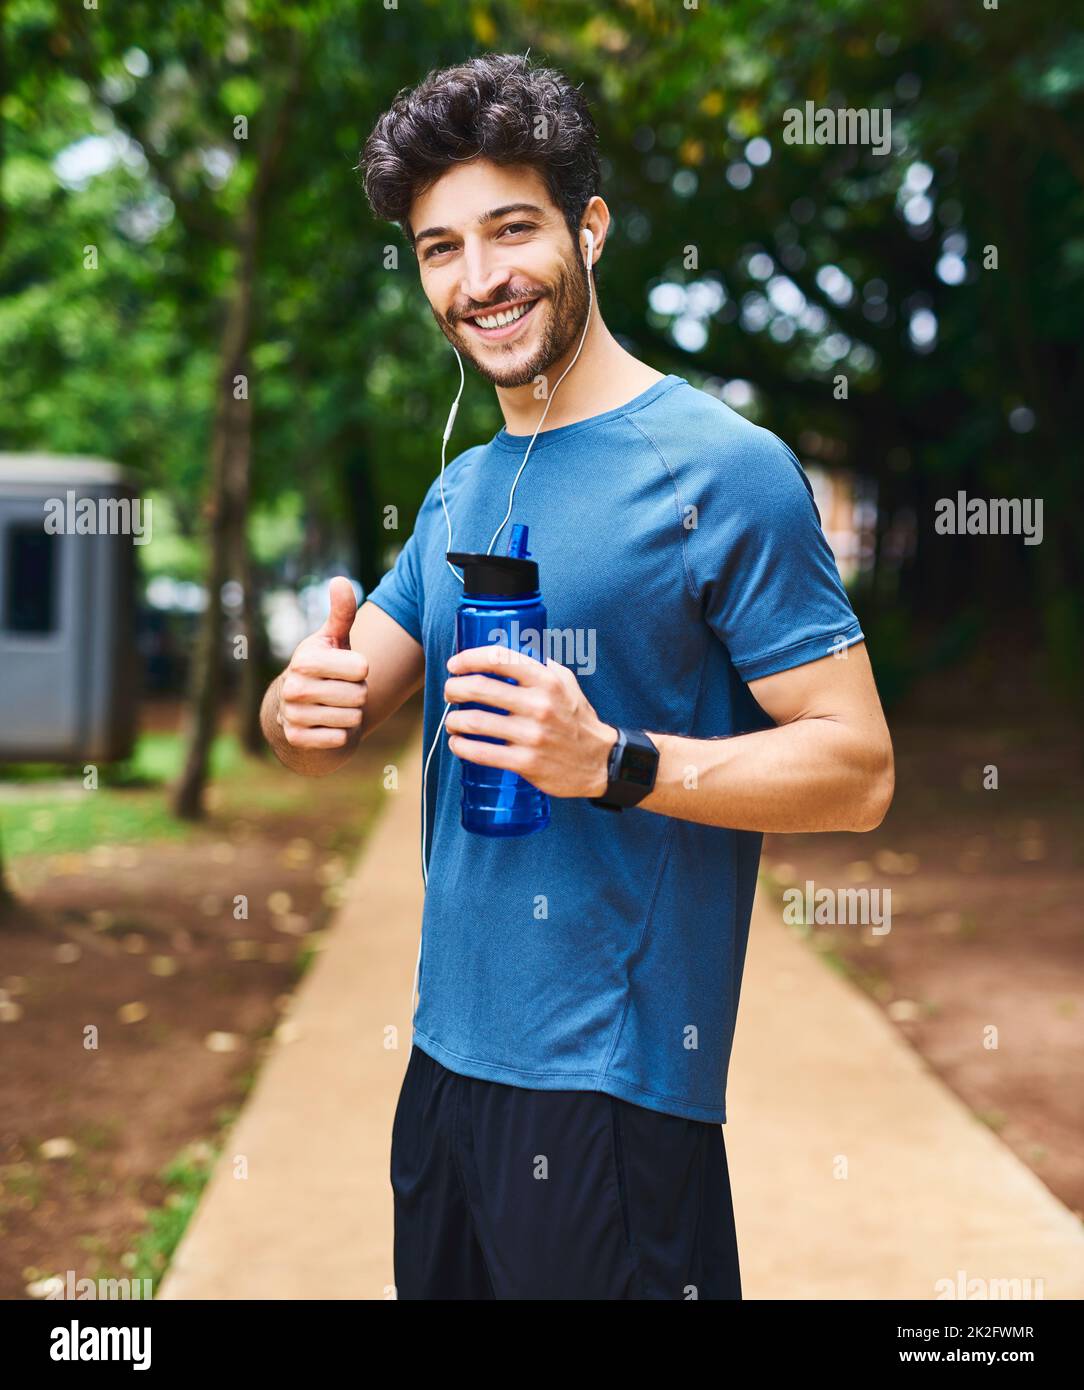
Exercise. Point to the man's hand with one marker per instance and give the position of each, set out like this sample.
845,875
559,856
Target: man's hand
553,736
323,690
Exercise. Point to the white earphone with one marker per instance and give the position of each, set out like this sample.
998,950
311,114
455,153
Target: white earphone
588,259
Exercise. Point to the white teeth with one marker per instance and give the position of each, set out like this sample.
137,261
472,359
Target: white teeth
499,320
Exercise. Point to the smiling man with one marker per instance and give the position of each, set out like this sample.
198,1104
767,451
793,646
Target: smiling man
558,1134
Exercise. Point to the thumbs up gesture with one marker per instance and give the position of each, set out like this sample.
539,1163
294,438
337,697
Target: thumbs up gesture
323,690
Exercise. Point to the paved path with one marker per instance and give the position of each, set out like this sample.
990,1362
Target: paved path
856,1173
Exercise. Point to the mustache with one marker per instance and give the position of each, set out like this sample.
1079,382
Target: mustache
509,300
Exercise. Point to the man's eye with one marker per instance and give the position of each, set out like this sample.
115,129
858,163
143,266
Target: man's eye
436,249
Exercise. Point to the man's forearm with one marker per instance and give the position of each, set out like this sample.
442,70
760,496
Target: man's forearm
812,774
310,762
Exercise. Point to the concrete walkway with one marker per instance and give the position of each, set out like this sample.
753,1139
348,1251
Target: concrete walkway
856,1173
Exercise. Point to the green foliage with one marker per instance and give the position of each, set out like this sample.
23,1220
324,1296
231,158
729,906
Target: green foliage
351,377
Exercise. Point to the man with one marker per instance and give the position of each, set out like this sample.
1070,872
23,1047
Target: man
558,1134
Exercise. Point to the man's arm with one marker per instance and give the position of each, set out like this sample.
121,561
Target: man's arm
341,683
827,766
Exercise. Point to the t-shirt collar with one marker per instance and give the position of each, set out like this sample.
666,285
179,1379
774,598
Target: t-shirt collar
513,442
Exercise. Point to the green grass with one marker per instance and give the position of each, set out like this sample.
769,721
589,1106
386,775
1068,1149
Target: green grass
158,758
155,759
303,961
24,1181
185,1177
129,806
62,827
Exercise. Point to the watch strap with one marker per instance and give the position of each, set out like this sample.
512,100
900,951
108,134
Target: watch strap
631,770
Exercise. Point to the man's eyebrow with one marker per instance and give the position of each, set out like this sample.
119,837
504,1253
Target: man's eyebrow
483,219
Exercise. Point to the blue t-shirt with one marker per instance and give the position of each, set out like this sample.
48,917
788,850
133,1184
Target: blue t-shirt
605,952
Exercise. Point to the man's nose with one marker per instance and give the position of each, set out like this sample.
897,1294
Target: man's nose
484,272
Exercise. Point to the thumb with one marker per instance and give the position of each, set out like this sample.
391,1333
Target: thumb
344,609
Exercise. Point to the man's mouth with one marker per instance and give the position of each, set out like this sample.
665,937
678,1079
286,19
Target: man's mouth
502,323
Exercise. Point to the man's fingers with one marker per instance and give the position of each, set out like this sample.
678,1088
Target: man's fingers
298,736
316,716
503,755
501,661
486,690
323,693
329,663
309,690
508,728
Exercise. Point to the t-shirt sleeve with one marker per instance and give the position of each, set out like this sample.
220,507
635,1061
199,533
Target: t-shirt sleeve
761,565
400,592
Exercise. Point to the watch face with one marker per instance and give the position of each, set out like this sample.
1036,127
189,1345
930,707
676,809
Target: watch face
638,765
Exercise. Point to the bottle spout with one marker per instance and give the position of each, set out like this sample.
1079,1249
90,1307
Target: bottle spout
517,543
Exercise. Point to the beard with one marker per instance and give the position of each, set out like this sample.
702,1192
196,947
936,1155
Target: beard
562,324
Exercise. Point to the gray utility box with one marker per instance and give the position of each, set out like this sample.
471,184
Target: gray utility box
68,658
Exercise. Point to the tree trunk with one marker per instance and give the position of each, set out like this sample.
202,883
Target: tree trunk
255,673
368,534
230,445
231,449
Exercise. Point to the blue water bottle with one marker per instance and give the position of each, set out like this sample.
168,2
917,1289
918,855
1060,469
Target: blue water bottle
501,603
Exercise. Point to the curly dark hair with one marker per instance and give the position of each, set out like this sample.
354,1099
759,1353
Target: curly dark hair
494,106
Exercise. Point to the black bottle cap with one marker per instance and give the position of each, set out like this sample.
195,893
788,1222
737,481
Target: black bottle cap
504,576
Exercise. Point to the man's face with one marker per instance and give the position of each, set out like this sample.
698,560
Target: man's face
473,264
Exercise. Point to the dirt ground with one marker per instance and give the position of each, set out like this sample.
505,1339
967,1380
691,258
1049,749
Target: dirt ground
987,931
148,934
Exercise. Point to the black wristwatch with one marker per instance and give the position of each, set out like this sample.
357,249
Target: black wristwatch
634,761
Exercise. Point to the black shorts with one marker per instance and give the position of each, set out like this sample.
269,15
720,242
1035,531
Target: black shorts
505,1192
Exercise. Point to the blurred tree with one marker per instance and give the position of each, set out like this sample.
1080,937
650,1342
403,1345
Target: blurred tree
178,118
938,285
